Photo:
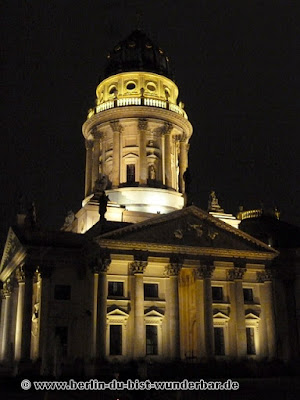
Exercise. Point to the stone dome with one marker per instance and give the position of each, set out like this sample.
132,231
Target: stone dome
138,53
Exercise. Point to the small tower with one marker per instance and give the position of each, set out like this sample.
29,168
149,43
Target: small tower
137,137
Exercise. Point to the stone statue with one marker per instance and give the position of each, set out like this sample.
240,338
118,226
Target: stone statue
100,184
213,203
103,200
152,174
69,218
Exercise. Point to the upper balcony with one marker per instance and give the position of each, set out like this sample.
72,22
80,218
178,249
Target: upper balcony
136,101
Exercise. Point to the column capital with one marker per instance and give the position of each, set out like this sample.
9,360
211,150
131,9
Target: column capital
142,124
96,134
116,126
25,271
205,270
264,276
88,144
20,274
138,267
235,274
7,288
172,269
100,264
167,128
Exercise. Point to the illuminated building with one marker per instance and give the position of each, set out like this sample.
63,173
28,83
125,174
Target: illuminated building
157,279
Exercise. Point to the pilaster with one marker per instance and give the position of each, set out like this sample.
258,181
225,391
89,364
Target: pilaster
266,296
45,271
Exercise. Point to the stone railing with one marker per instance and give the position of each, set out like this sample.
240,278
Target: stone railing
136,101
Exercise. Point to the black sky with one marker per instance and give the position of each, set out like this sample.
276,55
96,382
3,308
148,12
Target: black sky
235,65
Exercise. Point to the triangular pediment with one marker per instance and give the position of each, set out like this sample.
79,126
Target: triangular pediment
251,316
189,227
220,315
12,249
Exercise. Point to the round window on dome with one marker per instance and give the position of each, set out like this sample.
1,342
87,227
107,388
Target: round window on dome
130,86
151,87
112,90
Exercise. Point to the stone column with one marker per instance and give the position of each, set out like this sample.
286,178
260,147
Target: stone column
201,350
88,167
236,275
20,308
183,164
27,311
117,129
205,272
94,321
2,319
5,348
168,149
171,271
44,329
142,126
266,296
100,268
137,268
163,171
96,155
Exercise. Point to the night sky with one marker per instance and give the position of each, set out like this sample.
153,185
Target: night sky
234,63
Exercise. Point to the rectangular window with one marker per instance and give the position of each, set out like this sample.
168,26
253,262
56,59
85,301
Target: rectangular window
219,342
62,292
217,293
115,345
151,340
150,290
130,173
250,341
61,336
248,295
115,289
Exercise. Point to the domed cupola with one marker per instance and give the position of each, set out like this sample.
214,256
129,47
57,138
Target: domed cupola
137,137
138,53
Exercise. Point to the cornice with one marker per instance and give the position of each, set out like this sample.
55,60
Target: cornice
143,112
190,250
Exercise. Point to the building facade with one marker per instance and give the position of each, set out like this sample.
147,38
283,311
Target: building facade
137,273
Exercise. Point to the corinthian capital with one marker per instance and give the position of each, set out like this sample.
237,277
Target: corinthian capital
100,262
116,126
205,271
264,276
235,274
167,128
138,267
142,124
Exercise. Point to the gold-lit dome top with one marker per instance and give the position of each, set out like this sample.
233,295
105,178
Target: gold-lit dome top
138,53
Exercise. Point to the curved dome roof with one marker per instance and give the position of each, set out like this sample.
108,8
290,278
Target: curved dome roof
138,53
